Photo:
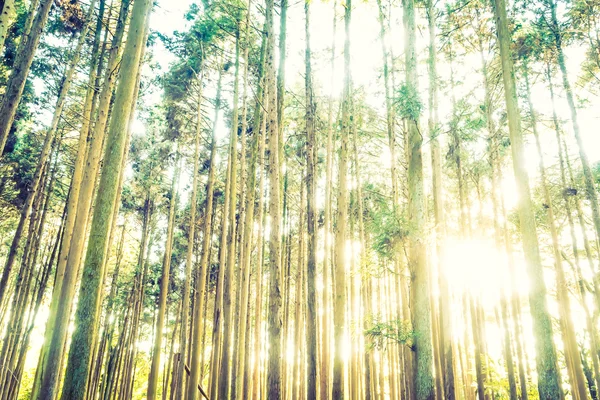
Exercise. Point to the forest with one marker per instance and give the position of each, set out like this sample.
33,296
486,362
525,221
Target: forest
311,199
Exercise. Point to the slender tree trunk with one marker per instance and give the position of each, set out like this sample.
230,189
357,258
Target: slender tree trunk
78,206
548,376
445,317
339,305
45,153
568,333
198,327
590,188
325,373
225,378
20,70
261,218
420,297
164,288
311,216
274,366
86,318
245,237
281,75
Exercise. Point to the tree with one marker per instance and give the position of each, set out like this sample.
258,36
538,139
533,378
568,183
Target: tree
86,318
274,304
548,379
20,70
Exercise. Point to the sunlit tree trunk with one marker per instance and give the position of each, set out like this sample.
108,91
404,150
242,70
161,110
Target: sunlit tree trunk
45,152
153,376
281,76
592,334
20,71
420,298
325,362
86,320
298,360
568,332
445,317
311,217
339,304
548,376
256,160
246,219
218,311
261,218
78,206
7,13
274,367
198,319
590,188
286,277
229,282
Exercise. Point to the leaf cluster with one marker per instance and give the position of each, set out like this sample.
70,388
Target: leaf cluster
381,333
408,103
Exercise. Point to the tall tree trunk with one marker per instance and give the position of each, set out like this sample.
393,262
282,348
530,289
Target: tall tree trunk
229,282
20,71
420,297
578,384
590,187
274,367
548,376
86,319
311,216
45,153
261,219
153,376
445,317
281,75
198,327
339,304
325,381
78,206
244,236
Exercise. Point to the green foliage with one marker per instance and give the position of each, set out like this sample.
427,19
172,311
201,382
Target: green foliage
381,333
408,103
595,172
19,164
192,47
390,233
387,228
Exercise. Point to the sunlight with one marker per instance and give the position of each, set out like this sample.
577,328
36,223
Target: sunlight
475,266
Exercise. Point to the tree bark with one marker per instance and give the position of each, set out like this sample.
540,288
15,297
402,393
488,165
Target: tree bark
198,322
339,304
164,288
548,377
311,216
20,71
274,367
6,16
420,296
86,319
